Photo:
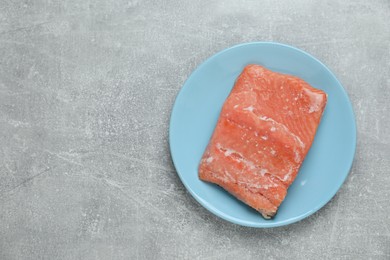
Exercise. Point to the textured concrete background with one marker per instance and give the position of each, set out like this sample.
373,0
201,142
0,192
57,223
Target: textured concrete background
86,90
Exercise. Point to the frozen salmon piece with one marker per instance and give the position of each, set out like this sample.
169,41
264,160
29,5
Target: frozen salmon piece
264,131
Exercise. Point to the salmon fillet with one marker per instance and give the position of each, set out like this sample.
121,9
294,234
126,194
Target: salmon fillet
264,131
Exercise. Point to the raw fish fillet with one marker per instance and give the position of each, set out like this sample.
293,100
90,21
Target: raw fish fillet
264,131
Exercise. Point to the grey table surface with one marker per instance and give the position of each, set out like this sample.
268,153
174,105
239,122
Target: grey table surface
86,91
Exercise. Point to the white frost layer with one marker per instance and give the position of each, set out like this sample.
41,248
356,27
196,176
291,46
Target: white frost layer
228,152
315,101
209,160
250,108
273,129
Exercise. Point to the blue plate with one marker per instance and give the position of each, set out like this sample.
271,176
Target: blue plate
195,115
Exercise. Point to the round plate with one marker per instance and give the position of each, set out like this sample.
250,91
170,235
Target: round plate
197,109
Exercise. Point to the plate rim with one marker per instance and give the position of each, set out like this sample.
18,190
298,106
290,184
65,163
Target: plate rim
223,215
